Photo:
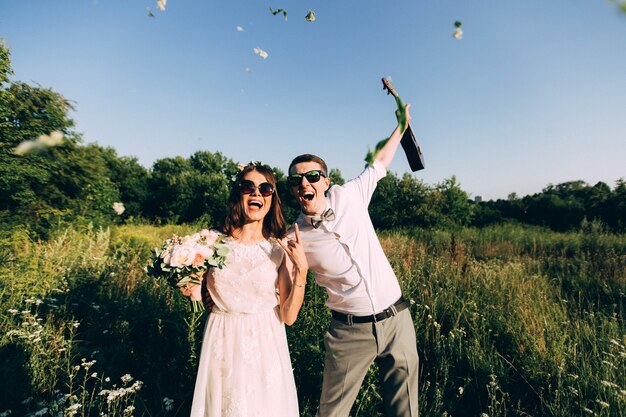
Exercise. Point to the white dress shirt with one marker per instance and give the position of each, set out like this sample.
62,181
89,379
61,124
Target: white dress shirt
345,253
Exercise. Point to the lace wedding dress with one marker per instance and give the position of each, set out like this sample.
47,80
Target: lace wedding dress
245,368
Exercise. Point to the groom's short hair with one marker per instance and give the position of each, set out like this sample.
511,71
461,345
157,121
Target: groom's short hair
307,157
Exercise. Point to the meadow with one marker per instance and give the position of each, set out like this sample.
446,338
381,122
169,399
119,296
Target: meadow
511,321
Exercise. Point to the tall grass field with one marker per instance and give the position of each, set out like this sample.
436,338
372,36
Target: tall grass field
510,321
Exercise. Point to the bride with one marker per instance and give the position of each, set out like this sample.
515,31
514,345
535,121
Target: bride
245,369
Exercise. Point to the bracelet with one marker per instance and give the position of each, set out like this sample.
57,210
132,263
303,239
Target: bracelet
299,285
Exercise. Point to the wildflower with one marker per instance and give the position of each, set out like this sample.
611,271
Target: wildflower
461,389
87,365
118,208
603,404
168,403
239,29
77,368
107,379
76,324
126,378
260,53
38,302
13,311
129,409
72,409
609,384
94,375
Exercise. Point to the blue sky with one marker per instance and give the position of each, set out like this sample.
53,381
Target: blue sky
534,93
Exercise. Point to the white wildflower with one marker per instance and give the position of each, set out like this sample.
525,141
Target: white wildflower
461,389
168,403
13,311
94,375
260,52
118,208
76,324
603,404
72,410
126,378
609,384
107,379
129,409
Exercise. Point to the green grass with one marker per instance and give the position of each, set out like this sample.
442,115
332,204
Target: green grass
510,320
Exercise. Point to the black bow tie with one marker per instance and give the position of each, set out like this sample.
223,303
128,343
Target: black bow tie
329,214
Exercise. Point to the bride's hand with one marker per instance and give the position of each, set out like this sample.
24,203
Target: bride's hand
295,250
192,291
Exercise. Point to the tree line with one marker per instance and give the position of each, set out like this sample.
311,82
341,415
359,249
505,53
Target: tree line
49,187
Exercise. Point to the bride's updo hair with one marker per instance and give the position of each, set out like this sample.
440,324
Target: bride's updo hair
273,223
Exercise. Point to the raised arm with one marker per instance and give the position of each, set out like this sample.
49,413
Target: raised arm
292,278
388,151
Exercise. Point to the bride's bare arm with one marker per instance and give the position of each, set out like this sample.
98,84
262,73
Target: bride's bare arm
292,278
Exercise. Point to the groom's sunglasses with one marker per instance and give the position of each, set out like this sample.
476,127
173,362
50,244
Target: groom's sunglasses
248,187
311,176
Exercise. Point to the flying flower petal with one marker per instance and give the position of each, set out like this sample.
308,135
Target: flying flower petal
310,16
239,29
260,52
161,5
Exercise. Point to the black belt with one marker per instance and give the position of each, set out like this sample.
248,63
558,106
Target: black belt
394,309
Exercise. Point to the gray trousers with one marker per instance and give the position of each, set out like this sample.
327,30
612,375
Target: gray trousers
351,350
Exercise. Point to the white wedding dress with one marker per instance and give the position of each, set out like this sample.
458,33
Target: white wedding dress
245,368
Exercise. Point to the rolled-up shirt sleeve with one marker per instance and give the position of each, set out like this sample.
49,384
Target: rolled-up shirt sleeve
363,186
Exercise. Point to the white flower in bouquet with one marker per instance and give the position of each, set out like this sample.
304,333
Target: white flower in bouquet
183,260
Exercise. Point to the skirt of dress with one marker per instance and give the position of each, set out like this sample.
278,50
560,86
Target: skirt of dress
245,368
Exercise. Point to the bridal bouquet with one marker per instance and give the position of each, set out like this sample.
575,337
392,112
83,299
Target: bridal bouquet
183,260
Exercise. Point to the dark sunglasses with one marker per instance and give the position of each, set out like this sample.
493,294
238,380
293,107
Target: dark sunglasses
248,187
311,176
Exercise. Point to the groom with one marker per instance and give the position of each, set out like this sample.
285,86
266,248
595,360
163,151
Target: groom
371,321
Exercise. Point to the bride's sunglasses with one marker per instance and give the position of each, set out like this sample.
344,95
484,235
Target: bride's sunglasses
248,187
311,176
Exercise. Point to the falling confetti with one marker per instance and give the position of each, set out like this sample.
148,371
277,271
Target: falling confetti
260,52
41,143
277,11
161,5
458,32
239,29
310,16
